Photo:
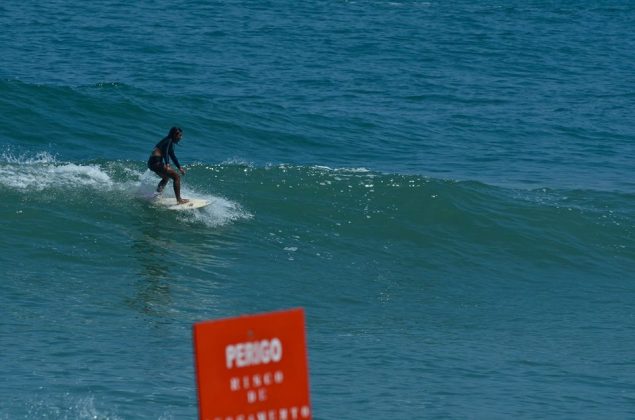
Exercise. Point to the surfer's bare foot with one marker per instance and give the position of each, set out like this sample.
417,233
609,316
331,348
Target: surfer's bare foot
182,201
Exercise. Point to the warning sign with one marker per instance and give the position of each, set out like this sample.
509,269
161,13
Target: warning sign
253,367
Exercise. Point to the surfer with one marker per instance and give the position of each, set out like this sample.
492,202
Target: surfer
159,163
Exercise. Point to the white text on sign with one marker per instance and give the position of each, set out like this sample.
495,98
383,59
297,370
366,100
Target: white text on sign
253,353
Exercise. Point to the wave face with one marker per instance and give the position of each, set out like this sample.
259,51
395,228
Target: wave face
446,188
456,216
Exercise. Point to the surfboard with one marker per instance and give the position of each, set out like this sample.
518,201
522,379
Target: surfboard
171,204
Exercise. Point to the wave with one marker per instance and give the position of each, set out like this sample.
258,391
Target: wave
82,121
356,202
93,184
554,226
43,172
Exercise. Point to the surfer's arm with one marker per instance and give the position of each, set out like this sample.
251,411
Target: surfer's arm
173,156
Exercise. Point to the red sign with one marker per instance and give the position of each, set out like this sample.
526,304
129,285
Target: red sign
253,367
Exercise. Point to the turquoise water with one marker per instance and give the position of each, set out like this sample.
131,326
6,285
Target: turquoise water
447,189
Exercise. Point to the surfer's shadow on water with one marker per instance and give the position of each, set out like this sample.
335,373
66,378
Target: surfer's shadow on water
168,245
151,250
152,297
160,247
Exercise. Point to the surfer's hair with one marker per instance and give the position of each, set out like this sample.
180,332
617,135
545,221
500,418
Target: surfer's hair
174,131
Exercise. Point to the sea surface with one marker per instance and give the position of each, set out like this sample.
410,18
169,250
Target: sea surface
446,188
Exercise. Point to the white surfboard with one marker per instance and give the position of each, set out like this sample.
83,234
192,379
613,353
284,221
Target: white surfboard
171,204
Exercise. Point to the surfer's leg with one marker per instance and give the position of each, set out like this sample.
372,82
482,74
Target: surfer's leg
156,165
162,184
176,183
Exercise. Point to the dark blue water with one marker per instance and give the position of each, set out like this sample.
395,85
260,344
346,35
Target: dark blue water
446,188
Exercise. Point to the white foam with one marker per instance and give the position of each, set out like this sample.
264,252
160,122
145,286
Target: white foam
41,173
237,162
40,157
68,406
219,212
340,170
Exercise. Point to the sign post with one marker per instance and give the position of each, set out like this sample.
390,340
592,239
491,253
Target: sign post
253,367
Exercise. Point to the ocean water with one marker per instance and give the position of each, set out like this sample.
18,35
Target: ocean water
446,188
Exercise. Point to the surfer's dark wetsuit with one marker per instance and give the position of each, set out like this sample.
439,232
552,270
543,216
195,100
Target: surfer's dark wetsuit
159,162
